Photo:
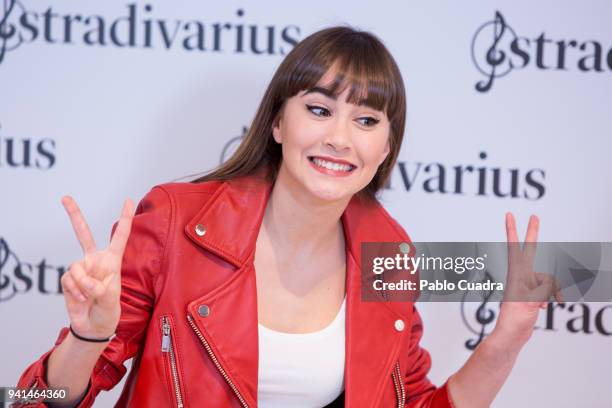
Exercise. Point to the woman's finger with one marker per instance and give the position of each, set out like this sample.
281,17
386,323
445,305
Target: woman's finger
553,283
512,238
531,238
68,286
81,229
559,297
122,231
87,284
558,294
544,290
78,272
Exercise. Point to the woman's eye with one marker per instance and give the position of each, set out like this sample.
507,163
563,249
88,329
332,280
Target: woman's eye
368,121
318,110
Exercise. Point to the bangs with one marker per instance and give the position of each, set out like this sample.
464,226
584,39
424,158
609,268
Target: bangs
357,64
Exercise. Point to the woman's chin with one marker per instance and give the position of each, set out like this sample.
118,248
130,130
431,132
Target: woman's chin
331,194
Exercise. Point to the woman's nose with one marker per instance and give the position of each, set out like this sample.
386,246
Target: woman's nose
338,137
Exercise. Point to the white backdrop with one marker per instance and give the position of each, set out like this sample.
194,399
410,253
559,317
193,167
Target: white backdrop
84,116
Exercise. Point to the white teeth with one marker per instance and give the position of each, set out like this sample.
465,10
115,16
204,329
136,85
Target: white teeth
331,166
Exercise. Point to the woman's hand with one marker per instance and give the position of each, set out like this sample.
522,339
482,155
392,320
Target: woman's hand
92,285
477,383
526,291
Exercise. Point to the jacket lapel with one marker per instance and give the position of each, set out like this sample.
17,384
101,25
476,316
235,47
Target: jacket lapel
232,218
372,341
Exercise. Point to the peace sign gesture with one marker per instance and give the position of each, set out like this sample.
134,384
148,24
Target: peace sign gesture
92,285
526,291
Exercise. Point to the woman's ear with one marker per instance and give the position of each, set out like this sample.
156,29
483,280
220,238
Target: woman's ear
385,152
276,129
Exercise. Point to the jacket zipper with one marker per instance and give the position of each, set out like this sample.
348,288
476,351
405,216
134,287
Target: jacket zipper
27,401
216,361
399,386
167,347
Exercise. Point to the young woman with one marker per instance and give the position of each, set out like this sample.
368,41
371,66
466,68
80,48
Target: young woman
242,289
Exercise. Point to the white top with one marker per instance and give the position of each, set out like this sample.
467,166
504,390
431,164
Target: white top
301,370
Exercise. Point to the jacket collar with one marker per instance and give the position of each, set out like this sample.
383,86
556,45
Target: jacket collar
232,218
243,201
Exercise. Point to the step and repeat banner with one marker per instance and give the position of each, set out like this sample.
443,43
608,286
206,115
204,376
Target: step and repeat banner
509,109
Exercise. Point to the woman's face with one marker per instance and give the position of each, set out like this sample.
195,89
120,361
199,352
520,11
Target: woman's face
331,148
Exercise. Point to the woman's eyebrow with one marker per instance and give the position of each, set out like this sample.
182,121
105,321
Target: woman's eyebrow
328,93
324,91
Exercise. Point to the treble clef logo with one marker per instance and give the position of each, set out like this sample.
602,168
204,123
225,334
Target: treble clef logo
7,259
494,62
8,31
484,316
494,56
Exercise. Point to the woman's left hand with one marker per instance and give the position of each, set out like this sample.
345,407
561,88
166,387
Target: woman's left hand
526,291
479,380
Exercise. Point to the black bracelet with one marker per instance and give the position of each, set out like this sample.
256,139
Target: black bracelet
90,340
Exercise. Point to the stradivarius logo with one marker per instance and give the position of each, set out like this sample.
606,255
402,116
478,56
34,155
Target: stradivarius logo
497,50
138,25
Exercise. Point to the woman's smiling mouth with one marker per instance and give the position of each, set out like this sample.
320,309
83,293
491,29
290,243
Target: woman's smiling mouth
332,167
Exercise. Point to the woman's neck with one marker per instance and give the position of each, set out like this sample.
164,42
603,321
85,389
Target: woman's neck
301,225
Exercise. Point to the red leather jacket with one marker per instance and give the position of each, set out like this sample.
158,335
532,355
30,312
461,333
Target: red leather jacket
189,308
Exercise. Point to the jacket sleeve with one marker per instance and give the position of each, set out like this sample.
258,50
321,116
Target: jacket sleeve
141,264
420,392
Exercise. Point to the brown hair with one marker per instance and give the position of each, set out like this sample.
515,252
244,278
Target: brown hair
360,61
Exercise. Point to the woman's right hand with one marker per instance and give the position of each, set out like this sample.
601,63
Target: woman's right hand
92,285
